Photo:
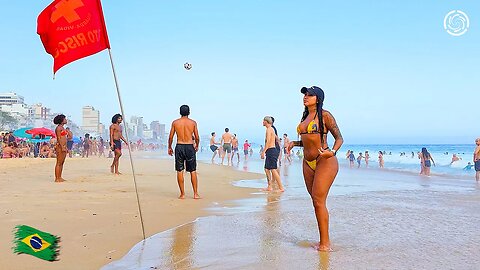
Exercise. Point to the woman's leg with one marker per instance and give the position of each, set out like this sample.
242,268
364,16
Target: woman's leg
308,175
61,155
325,174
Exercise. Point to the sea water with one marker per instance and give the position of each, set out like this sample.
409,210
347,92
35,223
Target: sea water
441,154
379,219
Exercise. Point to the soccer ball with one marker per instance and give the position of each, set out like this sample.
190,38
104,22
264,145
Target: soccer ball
187,66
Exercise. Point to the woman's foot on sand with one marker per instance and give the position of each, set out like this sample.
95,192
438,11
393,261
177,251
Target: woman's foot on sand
196,197
59,180
182,196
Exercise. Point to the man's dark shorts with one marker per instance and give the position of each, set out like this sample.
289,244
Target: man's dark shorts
185,158
213,148
245,152
271,158
69,145
227,147
477,165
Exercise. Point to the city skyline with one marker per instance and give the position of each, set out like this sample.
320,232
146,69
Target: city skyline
29,115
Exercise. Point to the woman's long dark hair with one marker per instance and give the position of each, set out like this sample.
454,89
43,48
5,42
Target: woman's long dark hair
425,153
320,117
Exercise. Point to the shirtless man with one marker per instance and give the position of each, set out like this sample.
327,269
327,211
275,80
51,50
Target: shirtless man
476,159
270,154
185,150
286,152
226,143
213,146
115,143
455,158
87,143
235,148
69,141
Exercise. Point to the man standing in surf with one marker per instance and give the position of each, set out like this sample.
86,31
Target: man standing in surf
270,154
115,143
476,159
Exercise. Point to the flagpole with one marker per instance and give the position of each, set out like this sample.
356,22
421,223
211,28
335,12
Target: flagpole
128,144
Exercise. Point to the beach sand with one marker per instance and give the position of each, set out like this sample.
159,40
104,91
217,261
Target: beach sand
95,213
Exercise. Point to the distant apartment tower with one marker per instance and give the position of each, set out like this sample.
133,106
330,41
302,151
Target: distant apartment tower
140,127
10,99
136,125
91,119
39,112
161,134
155,128
101,130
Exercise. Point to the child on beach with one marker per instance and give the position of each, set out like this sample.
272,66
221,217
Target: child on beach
367,158
359,159
468,167
351,157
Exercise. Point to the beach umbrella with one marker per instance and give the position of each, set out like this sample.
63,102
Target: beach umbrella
21,133
38,140
41,131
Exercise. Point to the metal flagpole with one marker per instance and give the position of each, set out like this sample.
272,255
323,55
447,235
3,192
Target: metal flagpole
128,144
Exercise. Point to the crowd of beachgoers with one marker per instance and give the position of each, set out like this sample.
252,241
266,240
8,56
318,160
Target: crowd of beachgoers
14,147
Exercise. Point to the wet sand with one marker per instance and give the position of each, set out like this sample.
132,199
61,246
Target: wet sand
378,220
95,213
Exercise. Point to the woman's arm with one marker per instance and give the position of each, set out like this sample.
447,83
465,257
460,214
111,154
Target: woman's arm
332,126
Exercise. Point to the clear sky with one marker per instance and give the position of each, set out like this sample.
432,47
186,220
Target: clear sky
390,72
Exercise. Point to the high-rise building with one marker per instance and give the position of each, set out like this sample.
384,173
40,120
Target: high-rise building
10,98
101,130
38,111
140,127
91,120
19,111
155,128
137,126
161,133
40,116
13,104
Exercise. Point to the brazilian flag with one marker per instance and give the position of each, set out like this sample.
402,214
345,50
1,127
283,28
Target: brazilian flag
35,242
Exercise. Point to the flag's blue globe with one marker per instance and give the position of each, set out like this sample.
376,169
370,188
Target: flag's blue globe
36,242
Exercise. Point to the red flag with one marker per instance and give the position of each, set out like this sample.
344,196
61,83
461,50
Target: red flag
72,29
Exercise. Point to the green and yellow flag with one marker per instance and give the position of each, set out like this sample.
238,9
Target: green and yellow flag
35,242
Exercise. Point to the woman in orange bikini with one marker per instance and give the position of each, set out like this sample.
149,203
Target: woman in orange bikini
60,146
320,164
